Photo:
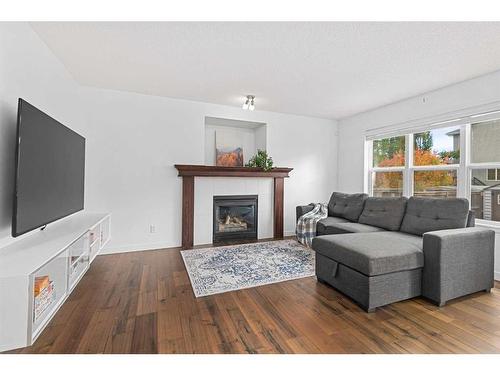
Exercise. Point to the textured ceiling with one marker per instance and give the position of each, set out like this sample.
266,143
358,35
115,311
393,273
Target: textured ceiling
329,70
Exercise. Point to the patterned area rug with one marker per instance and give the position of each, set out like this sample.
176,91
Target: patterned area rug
222,269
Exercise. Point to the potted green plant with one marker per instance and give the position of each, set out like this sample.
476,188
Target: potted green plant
261,160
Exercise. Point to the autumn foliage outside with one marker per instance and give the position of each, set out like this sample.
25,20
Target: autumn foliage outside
389,152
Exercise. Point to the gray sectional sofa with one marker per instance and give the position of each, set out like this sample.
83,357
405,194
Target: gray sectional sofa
383,250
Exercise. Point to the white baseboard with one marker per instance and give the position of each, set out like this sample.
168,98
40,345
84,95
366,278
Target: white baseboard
497,276
156,246
137,247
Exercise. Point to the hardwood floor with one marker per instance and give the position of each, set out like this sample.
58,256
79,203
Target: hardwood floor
142,302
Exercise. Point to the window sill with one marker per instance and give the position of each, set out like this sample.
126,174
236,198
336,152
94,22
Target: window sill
494,225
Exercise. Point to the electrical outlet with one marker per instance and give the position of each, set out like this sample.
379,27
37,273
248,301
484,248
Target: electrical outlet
152,228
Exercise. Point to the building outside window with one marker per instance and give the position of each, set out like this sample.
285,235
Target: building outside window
485,182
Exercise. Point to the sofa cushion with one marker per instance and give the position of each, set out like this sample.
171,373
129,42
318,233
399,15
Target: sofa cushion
324,224
430,214
348,206
349,227
373,253
385,213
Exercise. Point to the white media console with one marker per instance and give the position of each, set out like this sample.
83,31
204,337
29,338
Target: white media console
38,273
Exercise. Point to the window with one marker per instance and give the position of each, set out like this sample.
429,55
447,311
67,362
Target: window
485,182
437,147
435,184
485,194
462,160
389,152
493,175
387,184
387,165
485,137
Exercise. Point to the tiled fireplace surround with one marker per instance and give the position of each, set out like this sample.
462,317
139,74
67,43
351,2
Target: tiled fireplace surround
207,188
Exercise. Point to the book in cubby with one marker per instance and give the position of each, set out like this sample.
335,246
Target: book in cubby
44,295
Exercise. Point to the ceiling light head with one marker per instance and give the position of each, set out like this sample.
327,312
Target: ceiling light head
246,104
249,102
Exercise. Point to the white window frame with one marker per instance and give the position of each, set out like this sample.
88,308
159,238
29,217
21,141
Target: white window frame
372,169
463,169
408,169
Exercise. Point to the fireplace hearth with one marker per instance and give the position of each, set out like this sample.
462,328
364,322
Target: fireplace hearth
235,217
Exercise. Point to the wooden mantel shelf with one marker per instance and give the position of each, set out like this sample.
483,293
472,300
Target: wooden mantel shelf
214,171
189,172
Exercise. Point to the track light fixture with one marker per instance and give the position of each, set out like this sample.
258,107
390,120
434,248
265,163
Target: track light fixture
249,103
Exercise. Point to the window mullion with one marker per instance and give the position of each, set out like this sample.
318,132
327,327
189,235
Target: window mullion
408,172
368,175
463,190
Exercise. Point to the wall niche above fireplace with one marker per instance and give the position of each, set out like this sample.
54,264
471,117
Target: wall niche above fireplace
235,217
248,136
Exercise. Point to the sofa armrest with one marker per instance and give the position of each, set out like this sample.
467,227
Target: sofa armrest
457,262
301,210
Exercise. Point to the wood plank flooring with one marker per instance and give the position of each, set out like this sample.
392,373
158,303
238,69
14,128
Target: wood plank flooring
142,302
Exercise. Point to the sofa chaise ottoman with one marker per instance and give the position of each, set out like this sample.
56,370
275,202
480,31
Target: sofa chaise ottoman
383,250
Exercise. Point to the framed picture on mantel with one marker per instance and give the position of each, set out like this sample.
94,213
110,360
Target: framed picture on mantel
228,149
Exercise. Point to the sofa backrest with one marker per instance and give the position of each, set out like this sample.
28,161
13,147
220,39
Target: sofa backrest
429,214
471,219
348,206
386,213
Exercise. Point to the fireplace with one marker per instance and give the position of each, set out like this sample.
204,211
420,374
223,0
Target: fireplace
235,217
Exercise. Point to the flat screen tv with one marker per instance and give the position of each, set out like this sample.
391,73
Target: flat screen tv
49,171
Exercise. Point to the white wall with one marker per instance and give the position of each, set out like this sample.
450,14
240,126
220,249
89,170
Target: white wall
261,138
134,140
476,92
30,71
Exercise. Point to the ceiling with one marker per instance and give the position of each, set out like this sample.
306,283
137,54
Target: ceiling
328,70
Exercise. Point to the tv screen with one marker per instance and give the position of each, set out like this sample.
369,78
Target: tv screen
50,170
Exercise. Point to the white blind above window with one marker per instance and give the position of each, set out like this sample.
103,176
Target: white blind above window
466,116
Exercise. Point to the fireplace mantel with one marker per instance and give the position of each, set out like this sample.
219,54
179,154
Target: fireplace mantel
189,172
214,171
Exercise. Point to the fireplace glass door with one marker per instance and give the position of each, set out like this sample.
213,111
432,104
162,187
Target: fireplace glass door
235,217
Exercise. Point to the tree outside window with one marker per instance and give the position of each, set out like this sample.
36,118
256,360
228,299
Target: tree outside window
389,150
430,148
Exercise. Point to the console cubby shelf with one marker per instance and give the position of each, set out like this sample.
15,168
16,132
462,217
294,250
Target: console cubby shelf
38,273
